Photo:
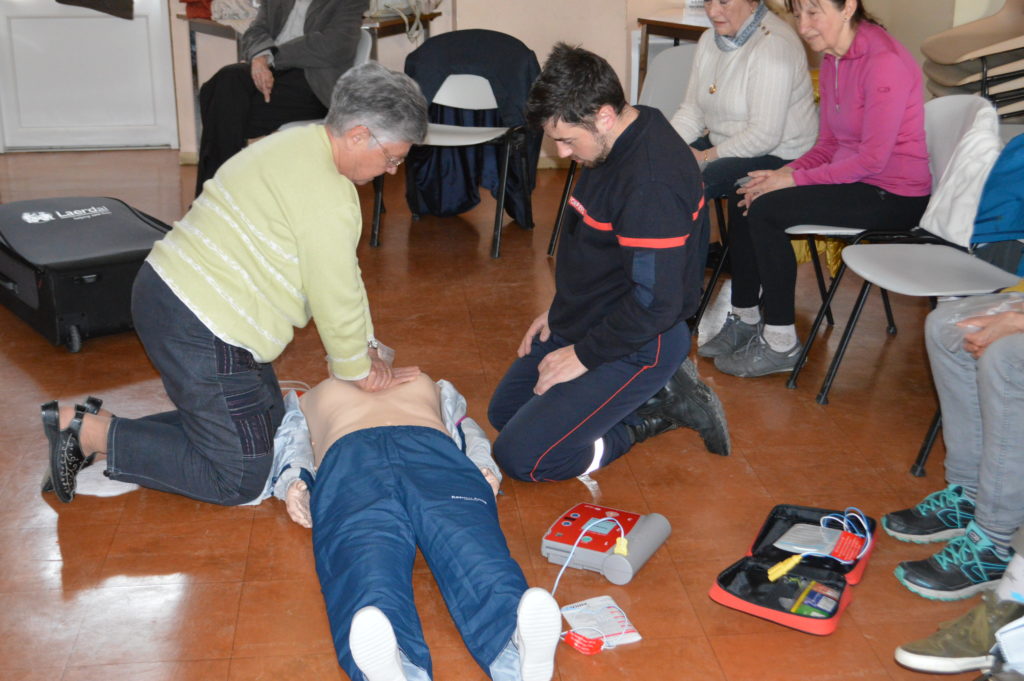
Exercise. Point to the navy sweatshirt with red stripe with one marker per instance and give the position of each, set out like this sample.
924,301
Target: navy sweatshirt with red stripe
627,265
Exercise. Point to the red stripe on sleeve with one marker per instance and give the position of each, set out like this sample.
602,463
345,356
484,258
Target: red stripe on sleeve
700,207
587,220
668,242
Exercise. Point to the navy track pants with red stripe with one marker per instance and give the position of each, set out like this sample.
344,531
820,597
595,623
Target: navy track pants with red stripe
552,436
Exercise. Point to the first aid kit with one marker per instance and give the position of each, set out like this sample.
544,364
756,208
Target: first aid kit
801,568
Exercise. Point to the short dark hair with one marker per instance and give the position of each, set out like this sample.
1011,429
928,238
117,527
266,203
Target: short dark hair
573,85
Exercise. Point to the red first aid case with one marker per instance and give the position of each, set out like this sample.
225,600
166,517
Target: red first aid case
813,594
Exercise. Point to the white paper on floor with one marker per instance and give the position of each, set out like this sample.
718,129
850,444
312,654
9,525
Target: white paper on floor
91,482
601,617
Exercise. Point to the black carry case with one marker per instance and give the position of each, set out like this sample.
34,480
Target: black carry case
67,264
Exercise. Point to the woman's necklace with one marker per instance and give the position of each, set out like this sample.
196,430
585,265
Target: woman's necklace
714,84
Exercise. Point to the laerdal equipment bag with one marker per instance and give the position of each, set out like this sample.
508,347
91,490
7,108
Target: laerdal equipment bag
67,264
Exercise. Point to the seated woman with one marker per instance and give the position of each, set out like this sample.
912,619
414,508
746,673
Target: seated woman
399,469
293,54
750,90
868,169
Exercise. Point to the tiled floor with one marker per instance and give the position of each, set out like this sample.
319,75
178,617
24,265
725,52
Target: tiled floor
149,586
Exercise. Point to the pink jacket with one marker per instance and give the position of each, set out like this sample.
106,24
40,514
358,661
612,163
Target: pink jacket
871,125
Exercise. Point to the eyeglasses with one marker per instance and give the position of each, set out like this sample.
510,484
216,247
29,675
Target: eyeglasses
391,160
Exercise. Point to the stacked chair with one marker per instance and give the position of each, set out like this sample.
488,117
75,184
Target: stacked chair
983,57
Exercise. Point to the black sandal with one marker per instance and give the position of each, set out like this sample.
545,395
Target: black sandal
54,436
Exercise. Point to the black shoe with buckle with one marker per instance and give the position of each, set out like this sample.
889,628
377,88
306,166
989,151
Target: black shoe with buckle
92,406
66,458
685,402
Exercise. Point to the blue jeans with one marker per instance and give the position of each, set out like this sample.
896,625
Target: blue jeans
218,445
572,426
379,494
721,174
982,405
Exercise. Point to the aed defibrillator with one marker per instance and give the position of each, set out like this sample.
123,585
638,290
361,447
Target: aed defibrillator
613,542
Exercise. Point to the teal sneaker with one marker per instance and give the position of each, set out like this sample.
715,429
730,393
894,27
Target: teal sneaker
967,565
942,516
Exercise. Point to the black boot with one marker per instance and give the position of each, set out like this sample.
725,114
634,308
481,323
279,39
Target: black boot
649,427
688,402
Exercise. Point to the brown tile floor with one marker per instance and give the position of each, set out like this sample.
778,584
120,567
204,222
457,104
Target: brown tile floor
156,587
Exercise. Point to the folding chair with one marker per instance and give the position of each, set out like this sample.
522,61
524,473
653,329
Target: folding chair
951,124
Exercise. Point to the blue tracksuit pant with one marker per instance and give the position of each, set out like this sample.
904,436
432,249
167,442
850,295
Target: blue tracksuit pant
380,493
557,435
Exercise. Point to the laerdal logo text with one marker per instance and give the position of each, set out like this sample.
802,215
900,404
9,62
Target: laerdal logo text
457,497
83,213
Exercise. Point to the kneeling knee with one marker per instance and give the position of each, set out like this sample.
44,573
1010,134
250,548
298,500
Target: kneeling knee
509,457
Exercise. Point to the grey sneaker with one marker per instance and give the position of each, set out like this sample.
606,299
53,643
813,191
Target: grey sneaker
964,643
757,358
735,334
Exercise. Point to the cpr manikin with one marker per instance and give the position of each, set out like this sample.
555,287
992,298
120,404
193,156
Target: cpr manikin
396,470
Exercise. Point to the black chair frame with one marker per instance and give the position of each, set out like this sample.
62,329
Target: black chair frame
513,140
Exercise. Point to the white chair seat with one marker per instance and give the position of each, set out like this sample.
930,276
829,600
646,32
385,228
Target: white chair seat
823,230
925,269
441,135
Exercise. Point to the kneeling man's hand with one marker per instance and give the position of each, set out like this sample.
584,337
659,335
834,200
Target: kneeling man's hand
538,326
558,366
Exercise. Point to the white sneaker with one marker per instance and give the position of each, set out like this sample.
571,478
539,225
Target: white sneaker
373,645
538,626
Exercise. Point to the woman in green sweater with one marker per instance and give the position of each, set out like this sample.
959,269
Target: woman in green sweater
269,244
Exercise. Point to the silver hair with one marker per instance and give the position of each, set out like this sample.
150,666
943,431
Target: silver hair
389,103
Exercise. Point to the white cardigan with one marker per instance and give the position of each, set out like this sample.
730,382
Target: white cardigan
763,103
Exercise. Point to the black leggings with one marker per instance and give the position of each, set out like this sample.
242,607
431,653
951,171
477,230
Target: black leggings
763,263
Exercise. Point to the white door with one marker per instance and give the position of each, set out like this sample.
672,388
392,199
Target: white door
72,77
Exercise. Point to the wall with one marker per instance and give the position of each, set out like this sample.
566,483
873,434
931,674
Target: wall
969,10
598,25
602,26
214,52
912,21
